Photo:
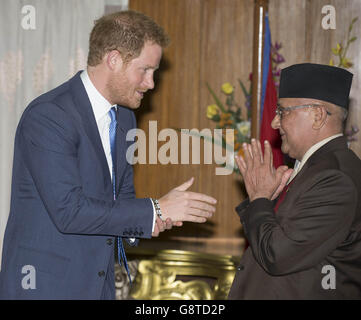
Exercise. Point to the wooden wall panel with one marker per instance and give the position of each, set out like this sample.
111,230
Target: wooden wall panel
320,41
174,102
226,35
288,26
212,42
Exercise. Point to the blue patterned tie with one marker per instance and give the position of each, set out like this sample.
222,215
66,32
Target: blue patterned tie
112,135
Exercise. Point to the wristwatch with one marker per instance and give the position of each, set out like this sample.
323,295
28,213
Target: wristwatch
157,208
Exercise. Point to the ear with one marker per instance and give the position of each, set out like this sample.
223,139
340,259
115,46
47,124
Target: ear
319,117
275,124
113,60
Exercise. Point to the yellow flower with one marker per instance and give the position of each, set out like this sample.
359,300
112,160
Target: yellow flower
212,110
227,88
337,50
346,63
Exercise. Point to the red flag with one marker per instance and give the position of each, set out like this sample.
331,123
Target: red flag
266,132
269,109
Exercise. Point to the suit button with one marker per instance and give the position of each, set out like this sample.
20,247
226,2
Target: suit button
240,267
110,241
101,273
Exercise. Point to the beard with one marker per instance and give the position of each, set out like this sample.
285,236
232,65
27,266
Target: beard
121,92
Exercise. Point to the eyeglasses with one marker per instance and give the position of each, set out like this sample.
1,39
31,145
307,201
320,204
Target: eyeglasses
281,111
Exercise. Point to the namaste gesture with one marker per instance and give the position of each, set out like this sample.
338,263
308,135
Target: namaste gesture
261,179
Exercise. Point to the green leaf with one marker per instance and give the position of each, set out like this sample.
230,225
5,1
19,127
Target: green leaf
229,101
245,92
352,39
218,102
351,24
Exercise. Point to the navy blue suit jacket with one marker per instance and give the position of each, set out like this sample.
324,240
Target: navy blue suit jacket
63,218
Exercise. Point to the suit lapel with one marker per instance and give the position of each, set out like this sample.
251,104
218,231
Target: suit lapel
339,143
89,123
334,145
303,176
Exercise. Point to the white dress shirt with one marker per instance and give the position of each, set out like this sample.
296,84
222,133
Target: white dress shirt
299,164
101,107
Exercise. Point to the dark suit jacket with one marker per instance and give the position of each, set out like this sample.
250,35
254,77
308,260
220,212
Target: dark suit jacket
63,219
318,224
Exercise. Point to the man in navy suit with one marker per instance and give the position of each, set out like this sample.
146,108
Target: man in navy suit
72,194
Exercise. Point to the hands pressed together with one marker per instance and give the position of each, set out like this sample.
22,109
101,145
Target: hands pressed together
180,205
261,179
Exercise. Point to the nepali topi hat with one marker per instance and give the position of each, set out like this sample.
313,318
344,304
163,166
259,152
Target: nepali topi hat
316,81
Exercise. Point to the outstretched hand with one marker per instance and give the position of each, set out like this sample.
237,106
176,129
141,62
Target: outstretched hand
261,179
182,205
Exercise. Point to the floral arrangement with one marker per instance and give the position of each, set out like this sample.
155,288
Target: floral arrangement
232,115
277,59
350,134
340,51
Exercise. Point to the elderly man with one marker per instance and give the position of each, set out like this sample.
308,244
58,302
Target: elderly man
303,225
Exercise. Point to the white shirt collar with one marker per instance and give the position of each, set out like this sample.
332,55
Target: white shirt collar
299,164
100,105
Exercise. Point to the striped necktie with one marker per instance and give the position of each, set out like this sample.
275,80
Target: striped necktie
112,136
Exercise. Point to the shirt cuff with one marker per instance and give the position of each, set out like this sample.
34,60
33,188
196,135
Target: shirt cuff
154,215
